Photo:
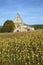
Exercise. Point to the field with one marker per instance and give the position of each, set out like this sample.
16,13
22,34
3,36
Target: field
21,48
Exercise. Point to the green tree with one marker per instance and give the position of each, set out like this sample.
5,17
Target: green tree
0,28
8,26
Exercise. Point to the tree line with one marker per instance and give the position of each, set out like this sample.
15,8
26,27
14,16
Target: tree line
38,26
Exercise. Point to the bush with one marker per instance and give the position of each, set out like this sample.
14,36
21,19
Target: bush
8,26
0,28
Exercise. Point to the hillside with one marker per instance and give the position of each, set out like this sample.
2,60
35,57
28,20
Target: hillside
21,48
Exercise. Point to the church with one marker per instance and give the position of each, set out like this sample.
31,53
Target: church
20,25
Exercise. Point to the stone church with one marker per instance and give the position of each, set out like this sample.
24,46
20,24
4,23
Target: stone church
20,25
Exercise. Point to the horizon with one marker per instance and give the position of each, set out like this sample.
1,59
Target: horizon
30,11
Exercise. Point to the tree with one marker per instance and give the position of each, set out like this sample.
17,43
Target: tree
8,26
0,28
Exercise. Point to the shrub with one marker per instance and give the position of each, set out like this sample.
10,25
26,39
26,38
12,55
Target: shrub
8,26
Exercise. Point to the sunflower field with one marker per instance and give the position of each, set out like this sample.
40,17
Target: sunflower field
21,48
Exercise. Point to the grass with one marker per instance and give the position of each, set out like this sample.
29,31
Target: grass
21,48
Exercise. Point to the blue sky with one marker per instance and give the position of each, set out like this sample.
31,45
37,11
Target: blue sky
31,11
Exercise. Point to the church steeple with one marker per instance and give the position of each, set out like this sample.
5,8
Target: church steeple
18,19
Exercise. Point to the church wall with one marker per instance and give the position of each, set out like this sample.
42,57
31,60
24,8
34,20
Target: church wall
20,26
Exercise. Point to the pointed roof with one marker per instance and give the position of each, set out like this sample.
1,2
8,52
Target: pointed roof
18,19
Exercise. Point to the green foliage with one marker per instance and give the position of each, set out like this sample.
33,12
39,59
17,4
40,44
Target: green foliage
8,26
38,27
21,48
0,28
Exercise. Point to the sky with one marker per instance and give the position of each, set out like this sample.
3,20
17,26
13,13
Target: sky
31,11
